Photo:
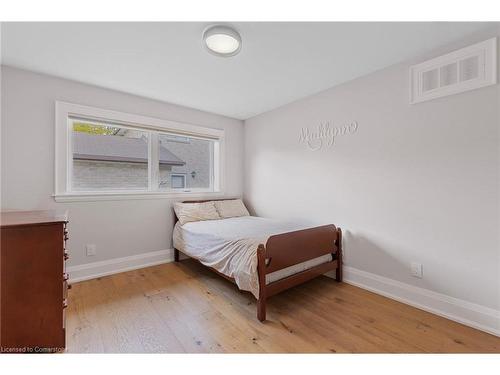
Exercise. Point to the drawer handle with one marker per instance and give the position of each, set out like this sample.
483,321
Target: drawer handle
65,303
66,277
66,255
66,237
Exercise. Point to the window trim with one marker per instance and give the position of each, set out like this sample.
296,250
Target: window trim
63,152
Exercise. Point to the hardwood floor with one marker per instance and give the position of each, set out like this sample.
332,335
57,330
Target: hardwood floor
183,307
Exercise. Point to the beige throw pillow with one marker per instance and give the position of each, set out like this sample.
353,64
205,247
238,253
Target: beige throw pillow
231,208
188,212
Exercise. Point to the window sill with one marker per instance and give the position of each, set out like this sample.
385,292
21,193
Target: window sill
118,196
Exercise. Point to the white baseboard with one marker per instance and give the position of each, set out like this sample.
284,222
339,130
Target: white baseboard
108,267
461,311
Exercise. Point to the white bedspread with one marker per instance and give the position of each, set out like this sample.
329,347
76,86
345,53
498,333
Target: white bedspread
230,245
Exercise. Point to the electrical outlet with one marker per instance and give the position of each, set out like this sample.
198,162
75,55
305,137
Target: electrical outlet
90,250
416,269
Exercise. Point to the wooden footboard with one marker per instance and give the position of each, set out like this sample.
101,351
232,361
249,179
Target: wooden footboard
288,249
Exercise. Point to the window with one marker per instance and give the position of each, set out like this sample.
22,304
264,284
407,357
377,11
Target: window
194,159
103,154
178,181
108,157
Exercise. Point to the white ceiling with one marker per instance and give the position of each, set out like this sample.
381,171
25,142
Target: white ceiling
278,63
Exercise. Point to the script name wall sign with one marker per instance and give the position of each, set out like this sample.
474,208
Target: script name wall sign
325,133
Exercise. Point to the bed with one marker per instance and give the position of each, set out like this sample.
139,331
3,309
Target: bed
262,256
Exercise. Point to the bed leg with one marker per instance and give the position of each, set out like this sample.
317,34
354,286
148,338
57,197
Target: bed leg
261,269
338,271
261,309
176,255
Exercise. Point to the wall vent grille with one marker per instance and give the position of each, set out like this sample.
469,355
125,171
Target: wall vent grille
462,70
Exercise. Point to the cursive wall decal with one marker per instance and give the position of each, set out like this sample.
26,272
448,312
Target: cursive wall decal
324,134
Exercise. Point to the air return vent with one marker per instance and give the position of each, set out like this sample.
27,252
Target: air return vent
466,69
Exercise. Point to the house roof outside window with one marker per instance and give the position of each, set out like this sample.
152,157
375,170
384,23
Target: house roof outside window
117,148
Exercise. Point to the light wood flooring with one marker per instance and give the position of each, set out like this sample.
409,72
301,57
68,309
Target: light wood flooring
184,307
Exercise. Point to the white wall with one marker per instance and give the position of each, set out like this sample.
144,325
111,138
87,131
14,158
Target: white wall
415,183
118,228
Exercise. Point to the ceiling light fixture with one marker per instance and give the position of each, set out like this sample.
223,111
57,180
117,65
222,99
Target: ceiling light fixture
222,41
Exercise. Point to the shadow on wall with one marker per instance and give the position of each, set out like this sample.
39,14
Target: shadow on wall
364,254
249,207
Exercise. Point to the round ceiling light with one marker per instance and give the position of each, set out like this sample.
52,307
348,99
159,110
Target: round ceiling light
222,40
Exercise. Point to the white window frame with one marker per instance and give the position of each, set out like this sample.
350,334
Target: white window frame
64,153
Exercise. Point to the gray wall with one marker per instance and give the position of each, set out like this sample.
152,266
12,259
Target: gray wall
414,183
118,228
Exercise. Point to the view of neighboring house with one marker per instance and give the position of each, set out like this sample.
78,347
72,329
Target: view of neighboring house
117,158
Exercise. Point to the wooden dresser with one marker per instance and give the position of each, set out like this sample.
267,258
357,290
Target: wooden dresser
33,282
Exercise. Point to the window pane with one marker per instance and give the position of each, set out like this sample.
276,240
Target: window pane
178,181
108,157
187,156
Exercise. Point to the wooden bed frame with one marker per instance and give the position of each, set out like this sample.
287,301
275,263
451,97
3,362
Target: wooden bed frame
288,249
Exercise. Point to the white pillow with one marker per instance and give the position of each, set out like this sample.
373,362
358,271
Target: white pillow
231,208
187,212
